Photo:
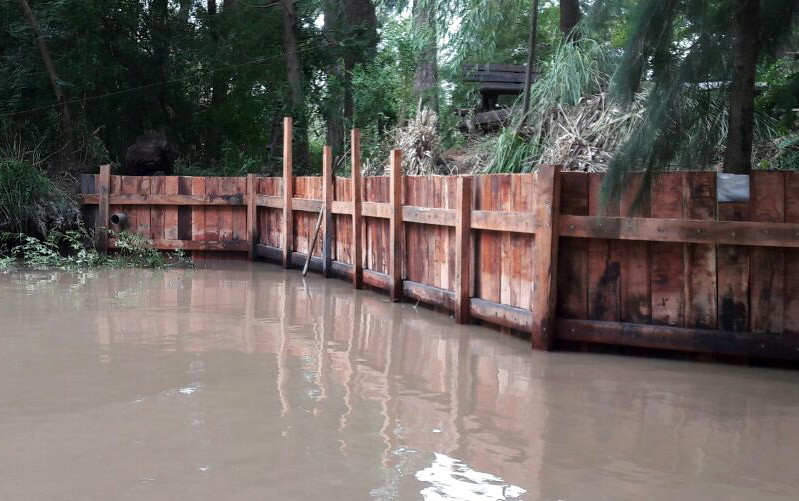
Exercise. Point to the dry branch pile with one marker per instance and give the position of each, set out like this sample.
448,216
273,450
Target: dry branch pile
584,137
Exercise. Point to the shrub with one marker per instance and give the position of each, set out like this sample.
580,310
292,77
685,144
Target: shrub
32,204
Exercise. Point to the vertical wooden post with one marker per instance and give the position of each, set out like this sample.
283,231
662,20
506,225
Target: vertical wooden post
357,249
288,193
327,208
463,254
103,189
395,227
252,215
545,280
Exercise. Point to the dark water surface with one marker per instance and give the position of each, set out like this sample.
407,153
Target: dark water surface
245,382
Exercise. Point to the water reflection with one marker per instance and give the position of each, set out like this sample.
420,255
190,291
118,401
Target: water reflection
248,381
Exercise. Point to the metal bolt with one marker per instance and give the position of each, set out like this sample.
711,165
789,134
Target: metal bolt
733,233
571,227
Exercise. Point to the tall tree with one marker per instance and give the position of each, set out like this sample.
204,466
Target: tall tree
350,37
738,154
701,58
570,15
66,120
295,79
425,78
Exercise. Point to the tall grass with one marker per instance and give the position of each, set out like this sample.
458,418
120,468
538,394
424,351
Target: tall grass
30,203
574,71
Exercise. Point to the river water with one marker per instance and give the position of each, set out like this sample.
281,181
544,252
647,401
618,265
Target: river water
243,382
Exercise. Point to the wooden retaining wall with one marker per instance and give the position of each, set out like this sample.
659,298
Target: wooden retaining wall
531,252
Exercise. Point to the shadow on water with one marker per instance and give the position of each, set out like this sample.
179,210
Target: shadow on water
244,382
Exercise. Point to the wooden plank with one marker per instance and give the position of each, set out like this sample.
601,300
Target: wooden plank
501,314
666,269
488,261
198,215
327,195
171,187
428,215
679,338
342,207
700,259
733,273
168,199
288,188
305,204
395,226
684,230
517,222
376,210
547,211
145,222
157,186
103,190
193,245
252,215
357,244
429,294
767,272
212,215
604,260
791,257
271,201
572,270
128,185
635,283
463,252
227,186
184,213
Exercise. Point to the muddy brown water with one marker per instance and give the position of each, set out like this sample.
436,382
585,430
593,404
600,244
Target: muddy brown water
242,382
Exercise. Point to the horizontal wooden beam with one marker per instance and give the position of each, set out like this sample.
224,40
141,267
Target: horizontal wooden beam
682,230
376,209
341,207
428,294
270,253
194,245
519,222
161,199
748,344
501,314
370,277
273,201
306,205
428,215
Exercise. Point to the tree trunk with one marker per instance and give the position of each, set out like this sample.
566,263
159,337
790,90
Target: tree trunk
159,29
355,22
738,154
425,78
220,32
335,78
66,121
528,78
569,17
184,11
295,79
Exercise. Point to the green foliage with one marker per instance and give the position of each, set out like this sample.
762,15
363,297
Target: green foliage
684,50
72,249
30,202
572,72
134,250
780,94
